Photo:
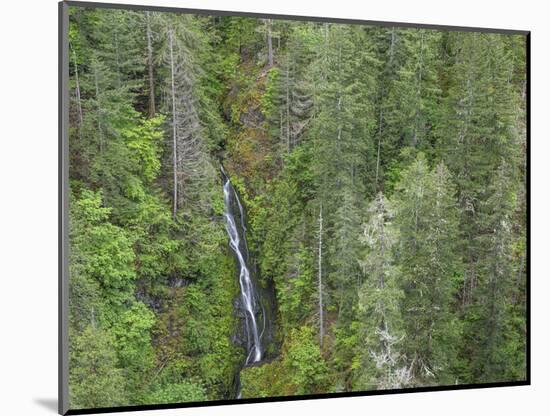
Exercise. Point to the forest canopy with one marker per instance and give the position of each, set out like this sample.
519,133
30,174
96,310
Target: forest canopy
263,207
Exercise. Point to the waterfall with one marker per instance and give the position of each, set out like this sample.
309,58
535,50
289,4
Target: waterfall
249,296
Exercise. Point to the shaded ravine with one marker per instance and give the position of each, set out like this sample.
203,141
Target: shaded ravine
250,304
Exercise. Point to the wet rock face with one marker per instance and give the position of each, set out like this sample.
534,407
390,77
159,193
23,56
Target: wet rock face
255,307
267,294
154,302
267,314
250,305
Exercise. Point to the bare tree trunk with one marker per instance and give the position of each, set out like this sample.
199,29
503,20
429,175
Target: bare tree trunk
518,279
288,104
281,126
378,153
93,319
117,58
325,51
150,63
339,136
418,90
269,23
79,103
392,45
465,289
339,108
99,128
174,123
320,278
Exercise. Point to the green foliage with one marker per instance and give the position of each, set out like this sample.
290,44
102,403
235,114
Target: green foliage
301,369
95,379
268,98
267,380
195,331
132,341
304,363
295,296
144,144
133,336
178,393
286,258
103,251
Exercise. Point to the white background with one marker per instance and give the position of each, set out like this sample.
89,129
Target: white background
28,208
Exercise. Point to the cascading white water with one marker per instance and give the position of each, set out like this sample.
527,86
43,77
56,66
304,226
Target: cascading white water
239,246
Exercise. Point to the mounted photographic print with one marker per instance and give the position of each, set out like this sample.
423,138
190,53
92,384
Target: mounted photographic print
263,208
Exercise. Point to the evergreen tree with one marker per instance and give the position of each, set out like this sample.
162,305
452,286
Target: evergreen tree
428,227
476,133
494,348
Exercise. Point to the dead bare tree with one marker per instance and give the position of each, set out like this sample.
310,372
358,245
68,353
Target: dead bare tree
269,24
189,157
174,122
95,65
77,93
395,374
378,151
150,65
320,277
